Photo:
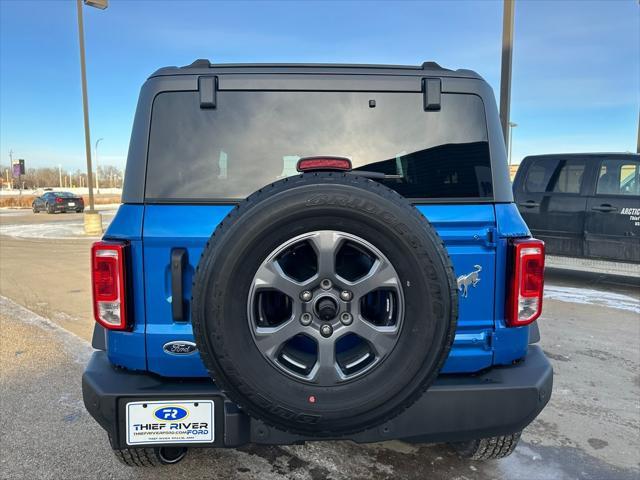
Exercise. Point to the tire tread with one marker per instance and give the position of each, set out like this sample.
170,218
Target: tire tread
491,448
137,457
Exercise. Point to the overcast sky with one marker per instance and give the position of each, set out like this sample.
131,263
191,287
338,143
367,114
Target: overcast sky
576,73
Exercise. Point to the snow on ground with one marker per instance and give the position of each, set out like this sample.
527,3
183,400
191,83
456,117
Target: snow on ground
14,212
71,229
57,230
588,296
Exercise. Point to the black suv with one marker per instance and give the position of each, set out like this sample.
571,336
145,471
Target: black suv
584,205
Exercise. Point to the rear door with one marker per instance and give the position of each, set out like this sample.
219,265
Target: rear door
530,189
202,161
47,198
553,203
613,211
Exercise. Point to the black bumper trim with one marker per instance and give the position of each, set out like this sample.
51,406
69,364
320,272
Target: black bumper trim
501,401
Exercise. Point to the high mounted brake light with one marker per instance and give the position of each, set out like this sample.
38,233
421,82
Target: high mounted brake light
308,164
108,278
527,282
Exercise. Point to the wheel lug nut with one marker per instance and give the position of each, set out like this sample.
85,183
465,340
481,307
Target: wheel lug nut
346,318
325,284
305,319
326,330
346,295
306,296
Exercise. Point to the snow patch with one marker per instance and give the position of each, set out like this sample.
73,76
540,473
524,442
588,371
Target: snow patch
57,230
588,296
78,348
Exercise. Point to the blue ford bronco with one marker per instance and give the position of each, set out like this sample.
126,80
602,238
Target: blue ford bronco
315,252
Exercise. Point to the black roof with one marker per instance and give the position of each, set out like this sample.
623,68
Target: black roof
591,155
203,67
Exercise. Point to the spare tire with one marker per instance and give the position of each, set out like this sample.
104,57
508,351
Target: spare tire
324,304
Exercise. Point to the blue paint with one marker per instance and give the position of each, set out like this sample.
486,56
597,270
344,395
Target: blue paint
509,344
465,230
127,349
167,227
170,413
473,235
127,223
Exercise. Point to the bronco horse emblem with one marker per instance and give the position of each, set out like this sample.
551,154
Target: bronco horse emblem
470,279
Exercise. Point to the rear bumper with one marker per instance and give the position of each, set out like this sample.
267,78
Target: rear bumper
66,208
501,401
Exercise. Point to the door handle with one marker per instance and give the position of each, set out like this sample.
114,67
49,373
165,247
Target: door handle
529,204
605,207
178,261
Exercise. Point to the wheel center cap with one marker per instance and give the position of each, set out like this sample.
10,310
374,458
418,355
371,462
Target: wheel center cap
327,308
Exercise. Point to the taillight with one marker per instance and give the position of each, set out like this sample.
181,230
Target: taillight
108,277
58,200
308,164
527,282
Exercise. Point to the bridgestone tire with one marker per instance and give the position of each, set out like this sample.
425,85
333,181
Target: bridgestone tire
492,448
272,216
149,457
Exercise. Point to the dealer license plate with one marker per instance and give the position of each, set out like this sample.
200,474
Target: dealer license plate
180,421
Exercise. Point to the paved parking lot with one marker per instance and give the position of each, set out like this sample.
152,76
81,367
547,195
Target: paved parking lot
590,430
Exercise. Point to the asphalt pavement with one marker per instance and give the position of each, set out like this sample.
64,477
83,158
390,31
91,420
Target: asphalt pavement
590,429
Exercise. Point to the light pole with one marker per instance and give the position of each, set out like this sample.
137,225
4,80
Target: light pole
92,220
638,144
512,125
97,167
505,73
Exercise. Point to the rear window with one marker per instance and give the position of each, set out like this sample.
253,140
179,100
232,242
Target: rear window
539,175
555,175
254,138
569,178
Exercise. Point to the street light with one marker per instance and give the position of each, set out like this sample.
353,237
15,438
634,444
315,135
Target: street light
97,167
92,220
101,4
512,125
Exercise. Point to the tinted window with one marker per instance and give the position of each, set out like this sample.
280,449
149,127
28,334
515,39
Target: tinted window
254,138
569,177
64,194
539,175
619,177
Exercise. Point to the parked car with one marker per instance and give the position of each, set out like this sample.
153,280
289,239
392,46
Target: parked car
310,252
583,205
54,202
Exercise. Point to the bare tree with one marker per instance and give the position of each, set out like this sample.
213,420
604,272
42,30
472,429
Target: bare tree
43,177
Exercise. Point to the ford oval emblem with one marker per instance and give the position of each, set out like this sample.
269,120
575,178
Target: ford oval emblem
170,412
179,347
